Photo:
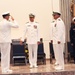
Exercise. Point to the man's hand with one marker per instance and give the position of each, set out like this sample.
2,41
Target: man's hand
21,42
59,42
38,42
51,41
12,18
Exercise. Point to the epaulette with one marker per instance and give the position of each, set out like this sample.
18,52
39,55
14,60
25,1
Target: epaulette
53,21
59,19
36,22
9,20
27,22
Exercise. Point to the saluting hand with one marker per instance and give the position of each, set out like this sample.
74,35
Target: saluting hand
12,18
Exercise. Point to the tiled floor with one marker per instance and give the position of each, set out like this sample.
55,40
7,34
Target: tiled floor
48,68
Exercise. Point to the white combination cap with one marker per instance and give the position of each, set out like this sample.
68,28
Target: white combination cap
56,12
6,13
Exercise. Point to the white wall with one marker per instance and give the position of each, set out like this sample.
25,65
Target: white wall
20,10
56,5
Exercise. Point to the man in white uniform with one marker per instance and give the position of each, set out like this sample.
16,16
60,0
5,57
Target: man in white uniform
31,32
5,41
58,39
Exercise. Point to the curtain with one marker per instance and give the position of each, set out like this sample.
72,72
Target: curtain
65,8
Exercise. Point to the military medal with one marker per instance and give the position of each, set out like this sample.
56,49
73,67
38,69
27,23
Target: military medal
35,26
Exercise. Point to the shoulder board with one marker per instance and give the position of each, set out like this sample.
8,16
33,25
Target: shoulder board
53,21
27,22
36,22
9,20
59,19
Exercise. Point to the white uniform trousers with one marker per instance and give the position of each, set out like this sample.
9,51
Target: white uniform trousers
59,56
5,56
32,54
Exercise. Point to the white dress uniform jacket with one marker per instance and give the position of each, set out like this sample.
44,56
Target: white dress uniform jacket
5,30
5,43
31,32
58,31
58,34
